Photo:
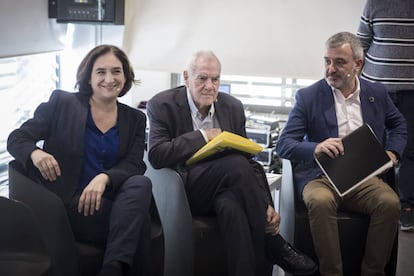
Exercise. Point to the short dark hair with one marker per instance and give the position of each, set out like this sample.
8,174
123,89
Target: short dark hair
342,38
83,75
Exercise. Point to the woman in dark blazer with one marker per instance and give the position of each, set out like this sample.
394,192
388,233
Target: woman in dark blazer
92,158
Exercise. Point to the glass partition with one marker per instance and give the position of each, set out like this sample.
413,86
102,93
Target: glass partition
25,82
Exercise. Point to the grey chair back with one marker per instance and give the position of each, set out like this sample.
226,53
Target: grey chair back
70,257
51,219
193,245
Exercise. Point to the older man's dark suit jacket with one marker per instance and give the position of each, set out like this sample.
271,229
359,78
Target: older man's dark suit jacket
61,122
313,119
172,139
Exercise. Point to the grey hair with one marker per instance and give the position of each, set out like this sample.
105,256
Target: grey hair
192,62
342,38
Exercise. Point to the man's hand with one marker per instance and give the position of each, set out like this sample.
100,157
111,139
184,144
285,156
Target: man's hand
46,163
272,221
90,199
393,157
333,147
212,132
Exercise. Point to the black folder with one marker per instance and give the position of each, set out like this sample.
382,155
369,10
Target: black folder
364,157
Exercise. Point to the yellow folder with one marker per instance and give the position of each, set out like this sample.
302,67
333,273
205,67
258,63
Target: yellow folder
223,141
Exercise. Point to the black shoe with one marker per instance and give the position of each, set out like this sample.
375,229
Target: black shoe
407,220
291,260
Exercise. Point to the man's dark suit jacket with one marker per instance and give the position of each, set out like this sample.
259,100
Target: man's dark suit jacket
61,123
172,138
313,119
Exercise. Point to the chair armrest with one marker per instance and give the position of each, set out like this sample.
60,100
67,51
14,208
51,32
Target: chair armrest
51,217
175,215
287,202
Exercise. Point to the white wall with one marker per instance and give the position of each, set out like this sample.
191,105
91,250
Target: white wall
151,83
26,29
251,37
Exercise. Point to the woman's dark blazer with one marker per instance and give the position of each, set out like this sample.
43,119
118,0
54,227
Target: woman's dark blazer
60,123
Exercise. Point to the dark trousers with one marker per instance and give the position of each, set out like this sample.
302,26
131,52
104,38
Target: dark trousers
404,100
122,225
227,188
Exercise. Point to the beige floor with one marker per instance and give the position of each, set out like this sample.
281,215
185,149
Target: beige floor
405,266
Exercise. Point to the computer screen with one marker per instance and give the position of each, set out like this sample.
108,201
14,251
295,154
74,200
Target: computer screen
225,88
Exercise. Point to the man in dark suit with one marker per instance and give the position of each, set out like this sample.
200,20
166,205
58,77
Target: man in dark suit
232,186
323,113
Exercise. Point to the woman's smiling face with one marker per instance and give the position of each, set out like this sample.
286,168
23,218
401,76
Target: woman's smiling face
107,76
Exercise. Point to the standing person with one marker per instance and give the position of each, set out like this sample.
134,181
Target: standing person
92,159
323,113
231,187
386,31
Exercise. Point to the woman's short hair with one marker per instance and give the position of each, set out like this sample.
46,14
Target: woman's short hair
83,75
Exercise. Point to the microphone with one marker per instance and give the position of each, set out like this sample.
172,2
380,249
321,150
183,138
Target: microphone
118,89
348,75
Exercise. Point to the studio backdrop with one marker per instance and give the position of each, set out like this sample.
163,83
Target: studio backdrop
251,37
